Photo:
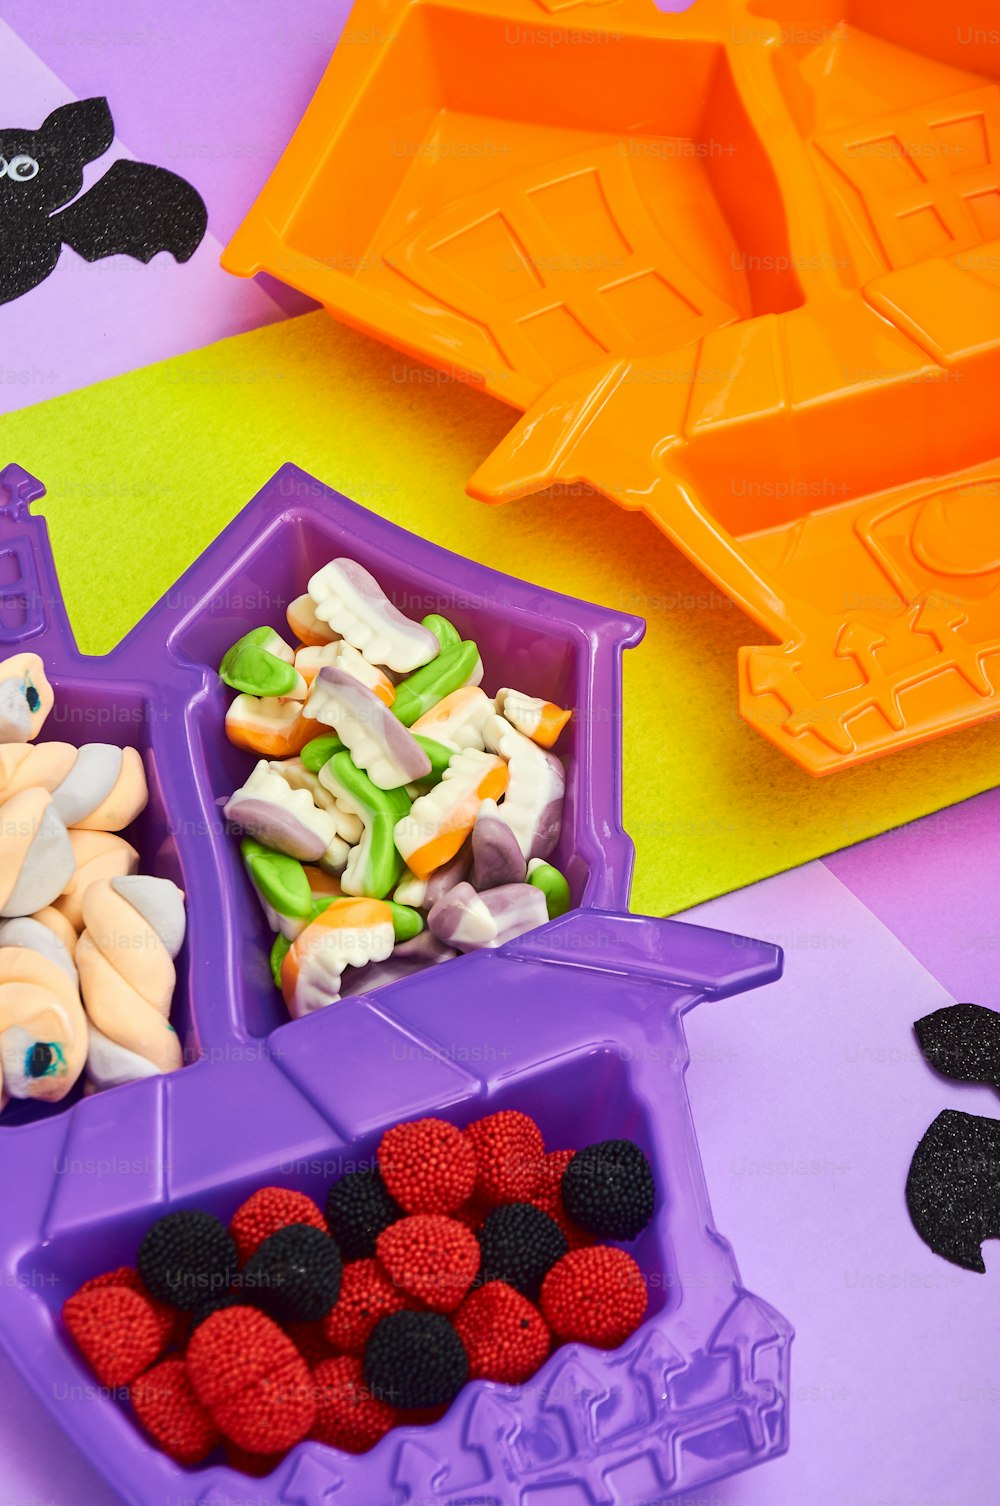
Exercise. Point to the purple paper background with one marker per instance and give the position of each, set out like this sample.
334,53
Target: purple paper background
211,90
809,1101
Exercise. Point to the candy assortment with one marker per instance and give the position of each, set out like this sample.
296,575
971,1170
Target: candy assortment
572,1023
87,944
397,814
461,1255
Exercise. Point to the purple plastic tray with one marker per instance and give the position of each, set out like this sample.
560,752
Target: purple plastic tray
159,690
578,1023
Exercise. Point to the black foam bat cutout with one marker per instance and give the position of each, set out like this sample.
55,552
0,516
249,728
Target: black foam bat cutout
953,1187
962,1042
134,210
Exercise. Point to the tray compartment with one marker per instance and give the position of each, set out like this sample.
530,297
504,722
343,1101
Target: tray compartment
580,1024
535,640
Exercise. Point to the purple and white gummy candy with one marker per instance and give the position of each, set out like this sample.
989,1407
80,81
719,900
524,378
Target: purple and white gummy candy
352,602
532,805
376,740
467,920
422,894
496,853
407,958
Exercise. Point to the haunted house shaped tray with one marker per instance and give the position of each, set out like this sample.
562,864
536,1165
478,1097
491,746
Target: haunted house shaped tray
578,1023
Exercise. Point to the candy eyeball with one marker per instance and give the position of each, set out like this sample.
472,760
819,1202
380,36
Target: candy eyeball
43,1059
26,698
30,1067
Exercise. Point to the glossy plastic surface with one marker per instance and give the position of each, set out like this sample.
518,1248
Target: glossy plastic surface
741,266
159,690
579,1023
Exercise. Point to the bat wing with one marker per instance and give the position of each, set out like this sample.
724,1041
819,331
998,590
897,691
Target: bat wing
135,210
962,1041
953,1187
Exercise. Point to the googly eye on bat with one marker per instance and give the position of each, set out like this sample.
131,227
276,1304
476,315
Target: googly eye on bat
20,169
135,210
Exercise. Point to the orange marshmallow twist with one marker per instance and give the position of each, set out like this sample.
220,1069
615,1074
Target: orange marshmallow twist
134,928
37,860
98,855
98,787
55,921
26,698
43,1030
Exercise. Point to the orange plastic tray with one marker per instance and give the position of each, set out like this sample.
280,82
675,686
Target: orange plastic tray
741,269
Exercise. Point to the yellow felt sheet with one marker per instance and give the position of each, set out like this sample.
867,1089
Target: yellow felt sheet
143,471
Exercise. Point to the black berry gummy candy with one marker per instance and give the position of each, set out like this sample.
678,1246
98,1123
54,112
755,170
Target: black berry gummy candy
358,1208
294,1275
415,1359
187,1258
608,1189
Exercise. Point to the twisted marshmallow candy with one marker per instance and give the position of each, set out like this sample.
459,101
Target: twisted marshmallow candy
26,698
37,862
43,1029
97,787
125,957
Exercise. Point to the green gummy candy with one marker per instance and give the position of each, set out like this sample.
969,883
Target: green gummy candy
254,670
430,684
324,903
445,632
382,809
406,923
280,880
554,886
439,755
316,752
278,953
